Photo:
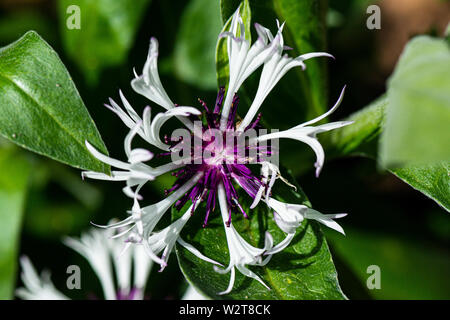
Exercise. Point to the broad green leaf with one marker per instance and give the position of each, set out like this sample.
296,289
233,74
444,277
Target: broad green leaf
196,43
106,33
433,180
40,107
304,270
362,137
418,115
304,31
14,173
222,68
409,268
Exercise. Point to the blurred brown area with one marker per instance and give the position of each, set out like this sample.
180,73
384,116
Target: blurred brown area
403,19
14,4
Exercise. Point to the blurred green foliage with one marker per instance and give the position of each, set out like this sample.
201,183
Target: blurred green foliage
107,30
194,60
15,171
419,101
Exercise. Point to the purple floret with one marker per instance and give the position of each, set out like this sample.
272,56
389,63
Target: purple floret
236,171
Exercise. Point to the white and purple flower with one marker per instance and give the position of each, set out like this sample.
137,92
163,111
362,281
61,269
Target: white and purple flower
104,253
214,179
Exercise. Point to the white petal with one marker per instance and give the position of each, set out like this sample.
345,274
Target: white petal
246,272
167,237
93,247
114,107
152,255
150,215
230,284
193,294
197,253
287,216
257,197
120,224
142,268
140,155
161,118
129,138
243,58
264,34
122,260
240,251
146,122
100,156
326,219
145,172
129,108
300,134
310,55
149,84
326,114
115,175
328,127
273,70
36,288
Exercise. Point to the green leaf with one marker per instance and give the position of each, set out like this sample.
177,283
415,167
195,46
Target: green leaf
14,173
222,68
410,268
304,270
195,45
40,107
418,115
433,180
106,33
362,138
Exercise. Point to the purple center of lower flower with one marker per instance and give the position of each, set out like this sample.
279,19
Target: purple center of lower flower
225,164
128,294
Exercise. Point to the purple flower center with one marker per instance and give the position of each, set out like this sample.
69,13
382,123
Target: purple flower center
128,295
226,164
